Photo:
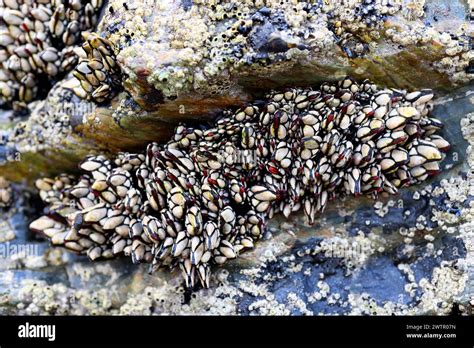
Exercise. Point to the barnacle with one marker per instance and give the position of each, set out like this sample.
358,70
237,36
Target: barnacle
6,194
97,71
37,39
204,197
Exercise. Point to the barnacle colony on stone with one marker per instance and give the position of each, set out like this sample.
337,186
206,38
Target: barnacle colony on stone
37,39
204,197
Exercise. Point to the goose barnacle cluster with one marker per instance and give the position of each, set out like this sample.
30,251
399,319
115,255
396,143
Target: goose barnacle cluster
97,71
204,197
37,40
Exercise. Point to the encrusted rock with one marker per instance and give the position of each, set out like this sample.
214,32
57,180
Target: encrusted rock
175,53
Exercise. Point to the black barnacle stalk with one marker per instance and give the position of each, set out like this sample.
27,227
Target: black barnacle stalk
204,197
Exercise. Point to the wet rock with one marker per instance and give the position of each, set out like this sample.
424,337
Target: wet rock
63,128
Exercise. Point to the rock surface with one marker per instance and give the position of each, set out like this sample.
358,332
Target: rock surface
174,54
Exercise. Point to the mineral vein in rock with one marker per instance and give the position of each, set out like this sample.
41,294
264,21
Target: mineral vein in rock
204,197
